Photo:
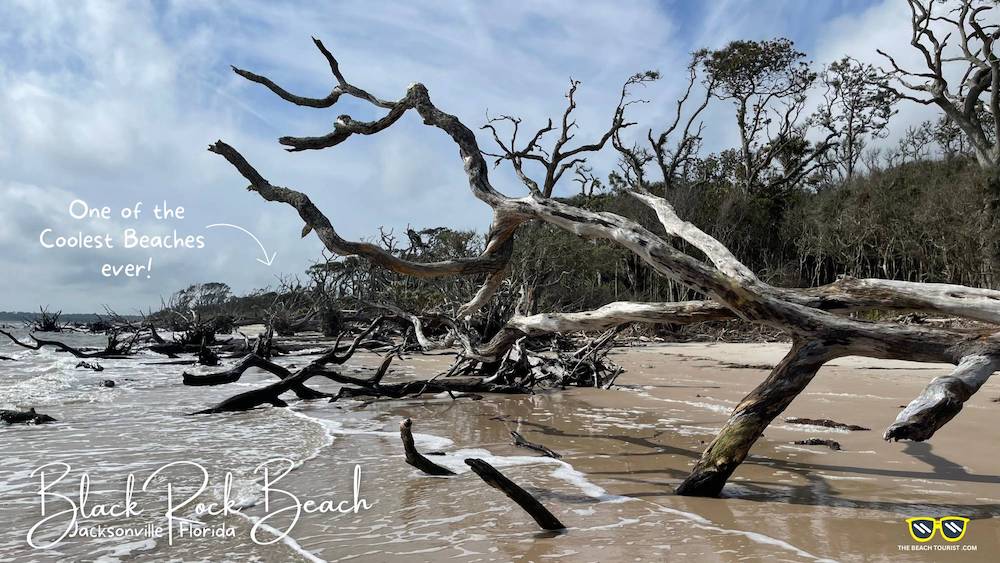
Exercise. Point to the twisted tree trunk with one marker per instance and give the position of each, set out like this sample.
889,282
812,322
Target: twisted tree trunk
749,419
813,318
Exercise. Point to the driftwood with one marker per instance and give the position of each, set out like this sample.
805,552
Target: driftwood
263,346
362,387
827,423
295,381
207,356
521,441
46,321
40,342
271,394
413,457
24,417
832,444
171,349
470,386
530,504
415,322
814,319
486,472
374,388
91,366
233,374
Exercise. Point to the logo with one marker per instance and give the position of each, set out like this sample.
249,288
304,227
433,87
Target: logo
923,528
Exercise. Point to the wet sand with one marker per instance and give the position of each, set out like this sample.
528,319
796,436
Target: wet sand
623,452
787,503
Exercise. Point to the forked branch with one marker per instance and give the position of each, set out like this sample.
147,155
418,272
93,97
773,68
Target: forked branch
807,315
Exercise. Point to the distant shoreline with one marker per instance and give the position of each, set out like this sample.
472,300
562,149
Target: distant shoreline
18,316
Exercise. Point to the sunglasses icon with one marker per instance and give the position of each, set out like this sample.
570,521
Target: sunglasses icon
922,528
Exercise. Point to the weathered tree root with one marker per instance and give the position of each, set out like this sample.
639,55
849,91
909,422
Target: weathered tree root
521,441
413,457
530,504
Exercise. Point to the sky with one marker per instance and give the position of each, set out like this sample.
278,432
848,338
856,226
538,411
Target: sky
115,103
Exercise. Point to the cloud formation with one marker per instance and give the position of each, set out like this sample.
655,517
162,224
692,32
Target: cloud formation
115,102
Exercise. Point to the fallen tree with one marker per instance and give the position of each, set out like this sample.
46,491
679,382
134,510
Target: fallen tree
814,319
352,387
287,381
116,348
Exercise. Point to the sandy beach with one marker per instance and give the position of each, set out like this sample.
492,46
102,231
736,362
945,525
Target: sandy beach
623,451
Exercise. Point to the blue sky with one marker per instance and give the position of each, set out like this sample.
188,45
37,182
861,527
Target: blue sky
115,102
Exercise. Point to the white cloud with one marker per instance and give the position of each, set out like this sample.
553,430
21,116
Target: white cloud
116,102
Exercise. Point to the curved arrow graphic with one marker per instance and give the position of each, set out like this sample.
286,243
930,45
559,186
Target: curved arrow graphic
267,260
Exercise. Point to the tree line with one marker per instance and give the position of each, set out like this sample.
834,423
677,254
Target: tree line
811,192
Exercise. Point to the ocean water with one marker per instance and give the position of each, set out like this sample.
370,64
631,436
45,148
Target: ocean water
141,425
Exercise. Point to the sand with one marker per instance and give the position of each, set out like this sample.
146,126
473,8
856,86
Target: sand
623,452
788,502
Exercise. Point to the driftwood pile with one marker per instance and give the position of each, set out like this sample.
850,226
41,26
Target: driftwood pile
519,371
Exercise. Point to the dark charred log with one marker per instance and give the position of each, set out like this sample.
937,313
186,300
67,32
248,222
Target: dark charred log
24,417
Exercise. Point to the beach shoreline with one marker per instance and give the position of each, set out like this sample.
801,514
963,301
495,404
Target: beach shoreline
623,450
